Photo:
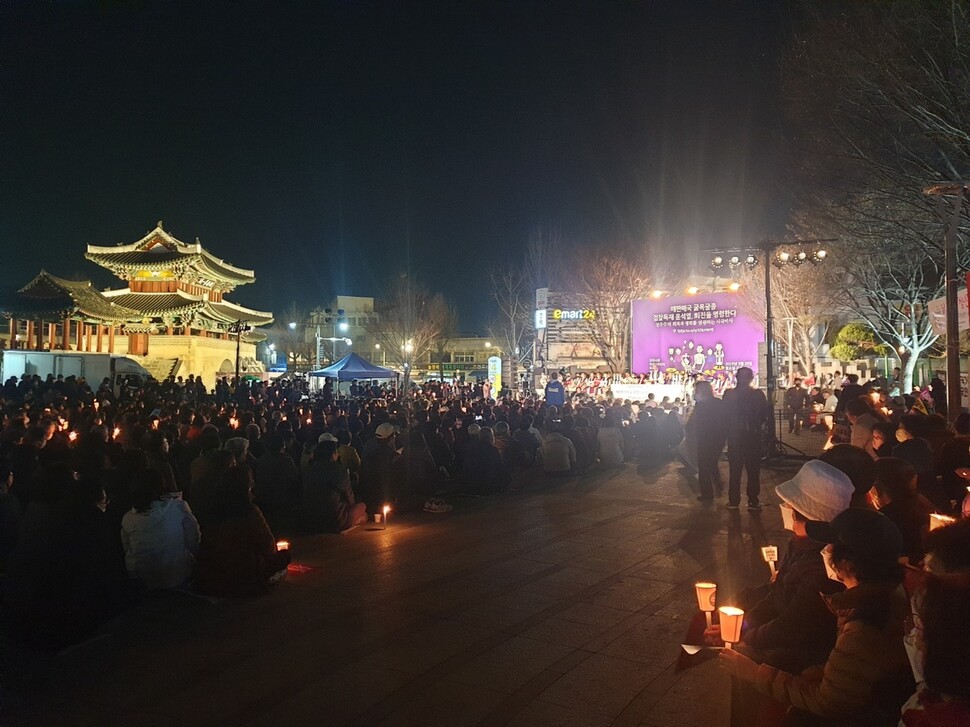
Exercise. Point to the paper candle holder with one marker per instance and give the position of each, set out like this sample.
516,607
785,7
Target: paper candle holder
706,596
731,619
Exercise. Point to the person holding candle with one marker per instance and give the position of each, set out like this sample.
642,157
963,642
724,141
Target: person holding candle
237,555
787,624
866,677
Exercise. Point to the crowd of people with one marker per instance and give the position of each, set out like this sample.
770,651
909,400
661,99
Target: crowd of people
172,486
866,621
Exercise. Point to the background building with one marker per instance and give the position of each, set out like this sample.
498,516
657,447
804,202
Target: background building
172,313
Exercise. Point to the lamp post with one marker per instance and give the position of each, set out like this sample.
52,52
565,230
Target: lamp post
957,191
749,259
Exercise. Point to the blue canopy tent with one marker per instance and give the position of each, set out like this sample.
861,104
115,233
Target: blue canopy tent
352,367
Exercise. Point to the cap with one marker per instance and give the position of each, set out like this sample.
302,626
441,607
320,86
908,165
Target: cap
326,437
384,430
869,533
818,491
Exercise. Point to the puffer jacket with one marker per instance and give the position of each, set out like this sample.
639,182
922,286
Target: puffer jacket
160,544
791,627
867,676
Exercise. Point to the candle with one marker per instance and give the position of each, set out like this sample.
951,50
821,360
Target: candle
387,509
731,619
377,517
117,431
706,594
282,544
770,554
72,436
787,516
939,521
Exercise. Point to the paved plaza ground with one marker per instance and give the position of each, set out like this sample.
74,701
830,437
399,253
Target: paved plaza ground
562,603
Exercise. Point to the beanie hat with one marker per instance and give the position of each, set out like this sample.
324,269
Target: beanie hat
818,491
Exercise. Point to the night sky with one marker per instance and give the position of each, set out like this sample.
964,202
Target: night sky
329,144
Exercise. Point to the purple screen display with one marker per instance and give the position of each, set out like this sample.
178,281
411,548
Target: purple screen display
698,334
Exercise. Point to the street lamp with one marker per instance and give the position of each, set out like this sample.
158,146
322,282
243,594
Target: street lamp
783,258
293,325
343,326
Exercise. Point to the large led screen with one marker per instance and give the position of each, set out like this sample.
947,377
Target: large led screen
704,335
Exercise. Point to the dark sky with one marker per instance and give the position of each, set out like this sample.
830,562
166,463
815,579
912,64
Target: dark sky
329,144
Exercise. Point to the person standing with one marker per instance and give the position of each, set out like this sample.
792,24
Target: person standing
555,391
747,412
706,427
796,403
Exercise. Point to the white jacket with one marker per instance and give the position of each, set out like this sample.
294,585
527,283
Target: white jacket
160,544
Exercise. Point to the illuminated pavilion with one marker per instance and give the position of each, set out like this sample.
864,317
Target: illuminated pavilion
172,314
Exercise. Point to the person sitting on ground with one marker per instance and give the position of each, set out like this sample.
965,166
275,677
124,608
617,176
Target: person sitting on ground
416,477
883,438
866,676
558,453
329,504
585,448
609,441
895,495
375,468
861,420
915,449
786,623
528,438
483,471
938,642
858,467
348,455
159,534
277,482
237,556
513,454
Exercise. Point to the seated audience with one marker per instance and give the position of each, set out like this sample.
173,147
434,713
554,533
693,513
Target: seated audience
238,555
159,534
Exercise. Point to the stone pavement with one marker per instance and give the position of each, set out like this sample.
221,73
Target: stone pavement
563,603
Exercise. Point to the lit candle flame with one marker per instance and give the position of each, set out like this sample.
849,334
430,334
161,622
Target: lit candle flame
72,436
117,431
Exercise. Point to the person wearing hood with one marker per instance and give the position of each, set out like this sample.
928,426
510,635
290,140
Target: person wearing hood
866,678
160,535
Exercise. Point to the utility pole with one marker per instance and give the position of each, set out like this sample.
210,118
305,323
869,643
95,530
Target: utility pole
957,191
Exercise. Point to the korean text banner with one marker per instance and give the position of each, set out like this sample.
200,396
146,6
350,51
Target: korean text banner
700,334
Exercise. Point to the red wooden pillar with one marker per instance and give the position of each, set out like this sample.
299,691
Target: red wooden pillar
100,335
52,336
40,335
79,334
13,333
111,338
29,343
87,337
66,334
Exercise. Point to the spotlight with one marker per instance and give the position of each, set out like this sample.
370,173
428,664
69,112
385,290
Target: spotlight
751,261
819,256
734,261
717,263
656,294
692,290
734,287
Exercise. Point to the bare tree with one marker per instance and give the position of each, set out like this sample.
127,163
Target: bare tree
296,342
803,297
410,321
879,96
513,327
449,331
607,284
